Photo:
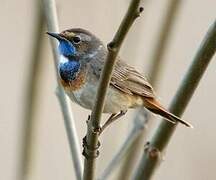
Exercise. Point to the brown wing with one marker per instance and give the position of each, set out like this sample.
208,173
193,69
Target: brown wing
128,80
124,77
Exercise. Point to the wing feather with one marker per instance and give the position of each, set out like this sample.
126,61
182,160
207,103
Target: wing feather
130,81
125,78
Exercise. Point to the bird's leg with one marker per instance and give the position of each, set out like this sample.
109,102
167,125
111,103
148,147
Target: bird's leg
111,119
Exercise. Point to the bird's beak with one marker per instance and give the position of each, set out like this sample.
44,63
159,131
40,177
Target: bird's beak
55,35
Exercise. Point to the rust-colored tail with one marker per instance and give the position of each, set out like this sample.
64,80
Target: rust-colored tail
155,107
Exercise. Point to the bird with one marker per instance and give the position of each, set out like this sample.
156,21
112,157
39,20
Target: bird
82,58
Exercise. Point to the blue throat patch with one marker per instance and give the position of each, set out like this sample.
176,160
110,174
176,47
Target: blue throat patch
66,48
68,71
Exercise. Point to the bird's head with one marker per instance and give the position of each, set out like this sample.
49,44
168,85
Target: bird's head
77,43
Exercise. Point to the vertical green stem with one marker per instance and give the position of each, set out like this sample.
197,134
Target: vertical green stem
91,145
33,78
157,59
50,13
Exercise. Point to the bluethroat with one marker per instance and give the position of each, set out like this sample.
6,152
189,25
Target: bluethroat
82,57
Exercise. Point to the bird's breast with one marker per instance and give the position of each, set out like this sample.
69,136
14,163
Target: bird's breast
72,75
75,84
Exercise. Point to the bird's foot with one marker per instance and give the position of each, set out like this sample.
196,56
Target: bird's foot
111,119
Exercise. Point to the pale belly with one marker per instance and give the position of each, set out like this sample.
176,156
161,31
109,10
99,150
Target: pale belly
115,101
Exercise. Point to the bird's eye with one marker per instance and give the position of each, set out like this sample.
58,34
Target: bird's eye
76,39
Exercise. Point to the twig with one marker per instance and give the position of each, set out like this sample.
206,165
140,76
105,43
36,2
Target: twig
163,134
52,25
157,62
157,59
91,145
138,127
31,98
129,163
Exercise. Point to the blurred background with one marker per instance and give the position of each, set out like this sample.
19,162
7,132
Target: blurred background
190,154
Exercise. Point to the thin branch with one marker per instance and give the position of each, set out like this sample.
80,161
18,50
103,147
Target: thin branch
129,163
52,25
138,127
157,62
91,145
163,134
31,97
157,59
